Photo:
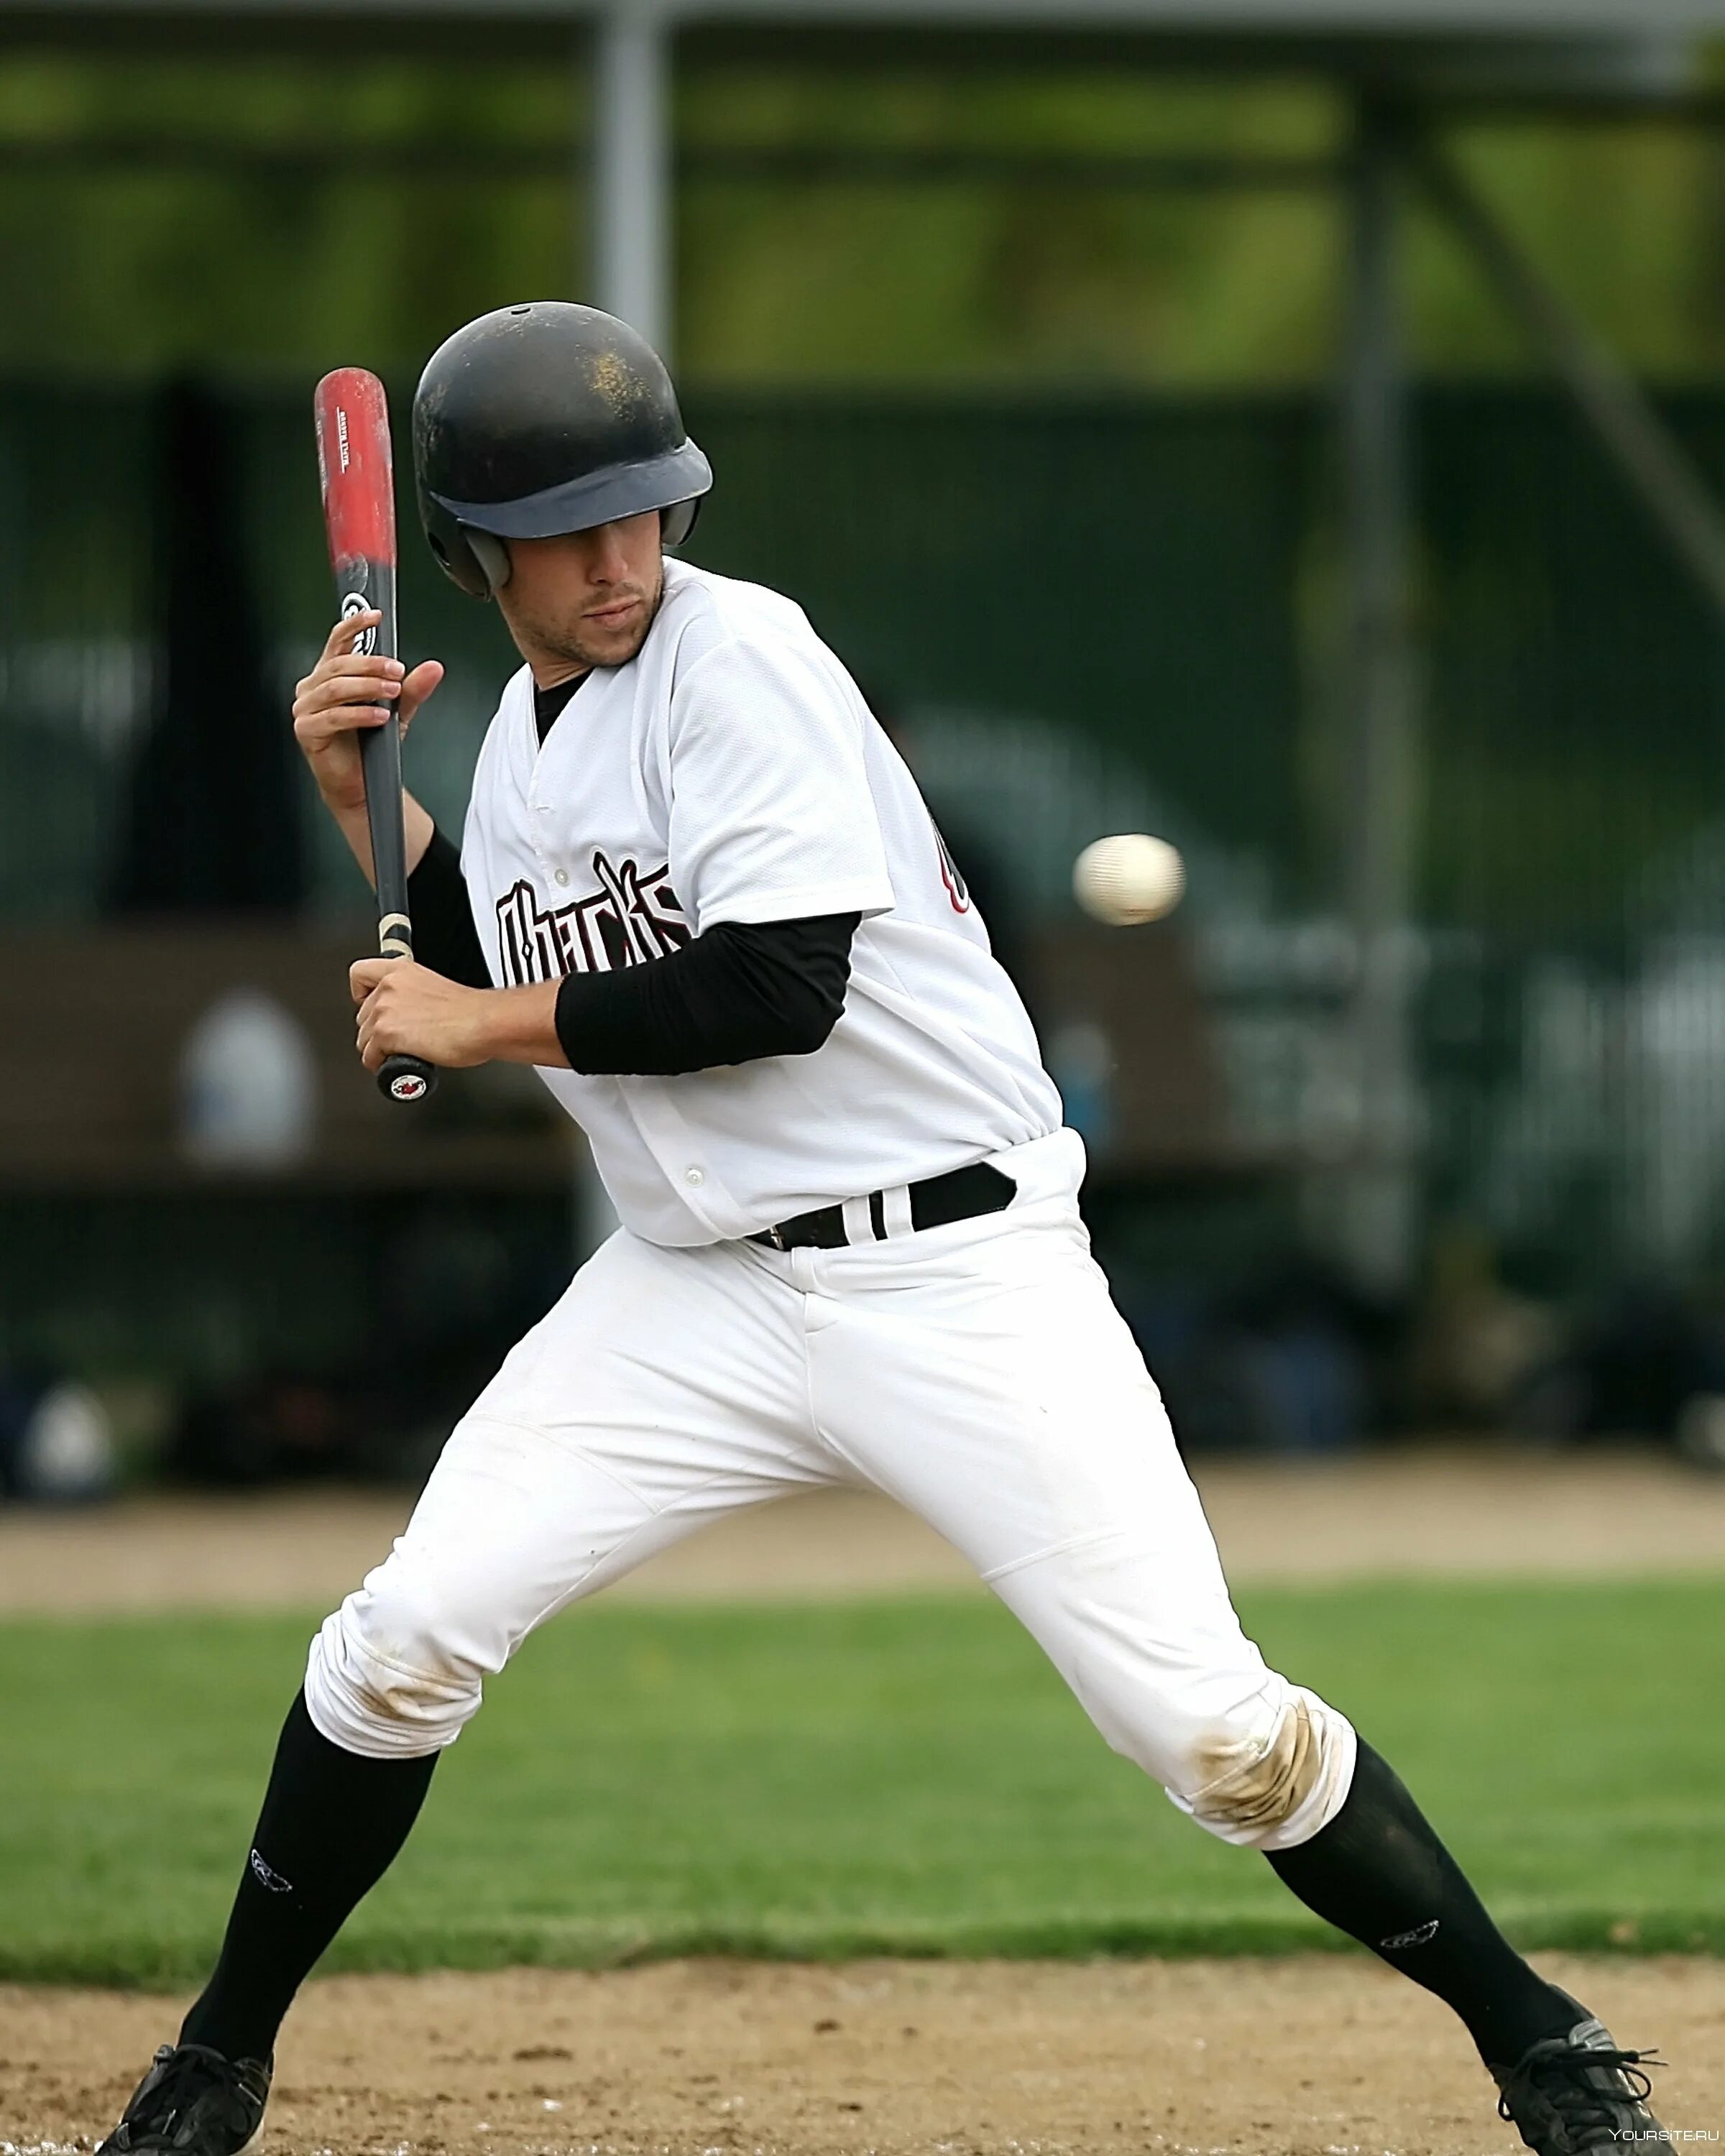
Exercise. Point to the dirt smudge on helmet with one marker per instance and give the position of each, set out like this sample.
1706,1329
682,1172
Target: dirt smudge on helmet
614,380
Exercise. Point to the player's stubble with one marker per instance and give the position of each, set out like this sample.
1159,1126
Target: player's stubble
585,600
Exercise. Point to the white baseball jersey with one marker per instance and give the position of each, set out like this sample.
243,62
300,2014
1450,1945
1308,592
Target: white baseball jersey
732,772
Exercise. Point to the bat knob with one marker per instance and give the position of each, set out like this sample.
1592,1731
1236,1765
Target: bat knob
405,1078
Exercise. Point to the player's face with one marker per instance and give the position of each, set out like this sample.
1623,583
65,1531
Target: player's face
585,598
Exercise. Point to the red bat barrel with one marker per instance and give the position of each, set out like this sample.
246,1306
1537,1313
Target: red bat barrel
358,478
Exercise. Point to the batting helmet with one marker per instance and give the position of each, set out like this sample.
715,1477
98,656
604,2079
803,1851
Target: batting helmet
544,418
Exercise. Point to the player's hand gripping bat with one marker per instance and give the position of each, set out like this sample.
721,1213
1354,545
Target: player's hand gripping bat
353,463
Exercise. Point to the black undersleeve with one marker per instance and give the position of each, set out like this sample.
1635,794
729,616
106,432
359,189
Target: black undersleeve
743,990
444,938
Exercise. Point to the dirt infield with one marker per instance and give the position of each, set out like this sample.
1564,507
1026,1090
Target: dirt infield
1317,2055
1429,1509
1302,2057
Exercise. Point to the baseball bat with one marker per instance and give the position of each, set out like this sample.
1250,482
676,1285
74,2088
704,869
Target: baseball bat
358,481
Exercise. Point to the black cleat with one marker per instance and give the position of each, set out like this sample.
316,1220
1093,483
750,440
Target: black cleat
192,2102
1580,2091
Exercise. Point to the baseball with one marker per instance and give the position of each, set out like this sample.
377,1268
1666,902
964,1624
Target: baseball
1128,879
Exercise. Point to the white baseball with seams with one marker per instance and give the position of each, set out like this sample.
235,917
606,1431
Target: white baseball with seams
978,1372
1129,879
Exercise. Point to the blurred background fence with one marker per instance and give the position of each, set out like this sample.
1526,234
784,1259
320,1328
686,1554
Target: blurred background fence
1085,614
1067,396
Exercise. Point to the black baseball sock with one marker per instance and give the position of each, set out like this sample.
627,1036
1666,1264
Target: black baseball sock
1379,1873
330,1827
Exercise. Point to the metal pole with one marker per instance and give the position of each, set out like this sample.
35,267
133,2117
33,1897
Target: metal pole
1379,1190
632,168
1624,419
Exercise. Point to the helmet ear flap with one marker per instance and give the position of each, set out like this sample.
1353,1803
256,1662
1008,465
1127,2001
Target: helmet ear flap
450,544
678,521
491,554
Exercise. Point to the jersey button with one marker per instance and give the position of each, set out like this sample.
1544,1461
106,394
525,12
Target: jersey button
562,876
695,1177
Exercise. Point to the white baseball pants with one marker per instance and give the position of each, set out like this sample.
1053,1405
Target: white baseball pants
978,1374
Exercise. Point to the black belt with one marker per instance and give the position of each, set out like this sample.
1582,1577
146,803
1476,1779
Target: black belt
963,1194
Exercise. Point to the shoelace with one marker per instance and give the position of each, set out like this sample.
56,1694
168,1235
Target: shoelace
190,2068
1557,2074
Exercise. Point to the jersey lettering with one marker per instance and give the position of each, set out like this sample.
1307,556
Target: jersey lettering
957,890
629,918
729,772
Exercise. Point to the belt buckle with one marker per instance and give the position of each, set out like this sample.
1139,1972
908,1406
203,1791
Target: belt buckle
775,1237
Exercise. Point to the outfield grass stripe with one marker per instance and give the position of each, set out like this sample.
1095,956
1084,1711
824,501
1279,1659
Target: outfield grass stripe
880,1776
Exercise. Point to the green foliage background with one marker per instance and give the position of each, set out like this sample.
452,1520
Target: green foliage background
262,214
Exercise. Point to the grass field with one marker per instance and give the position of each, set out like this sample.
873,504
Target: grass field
874,1777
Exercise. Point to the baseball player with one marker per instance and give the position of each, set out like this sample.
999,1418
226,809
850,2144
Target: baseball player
698,891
